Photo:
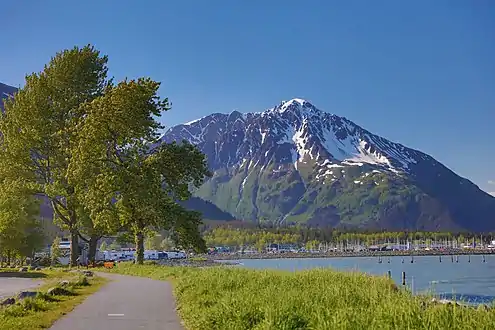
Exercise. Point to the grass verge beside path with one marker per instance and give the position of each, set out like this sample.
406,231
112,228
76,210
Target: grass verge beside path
41,312
237,298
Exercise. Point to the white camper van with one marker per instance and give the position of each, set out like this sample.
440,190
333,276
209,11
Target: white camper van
175,254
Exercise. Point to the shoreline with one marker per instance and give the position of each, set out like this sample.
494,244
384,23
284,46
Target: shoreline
437,298
289,255
213,298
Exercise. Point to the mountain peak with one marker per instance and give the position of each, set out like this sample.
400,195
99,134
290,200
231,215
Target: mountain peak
295,163
295,104
295,101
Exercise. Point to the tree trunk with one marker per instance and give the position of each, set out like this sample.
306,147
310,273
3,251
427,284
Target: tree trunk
139,239
93,244
74,247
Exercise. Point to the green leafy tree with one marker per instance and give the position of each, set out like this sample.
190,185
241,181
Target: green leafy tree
124,238
55,252
166,244
20,230
118,175
91,232
33,239
152,241
103,246
39,129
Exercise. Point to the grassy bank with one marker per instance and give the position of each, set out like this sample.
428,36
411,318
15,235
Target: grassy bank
43,310
236,298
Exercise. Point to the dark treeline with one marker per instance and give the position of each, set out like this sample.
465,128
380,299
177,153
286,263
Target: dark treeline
258,235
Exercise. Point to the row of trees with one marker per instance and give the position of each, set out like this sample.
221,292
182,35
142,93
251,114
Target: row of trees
73,137
248,237
302,236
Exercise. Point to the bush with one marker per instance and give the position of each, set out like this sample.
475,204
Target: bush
26,306
82,280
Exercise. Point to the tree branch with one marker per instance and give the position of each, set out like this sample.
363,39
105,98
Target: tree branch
55,205
82,237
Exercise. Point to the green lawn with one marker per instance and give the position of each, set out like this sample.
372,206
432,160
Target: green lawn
41,312
235,298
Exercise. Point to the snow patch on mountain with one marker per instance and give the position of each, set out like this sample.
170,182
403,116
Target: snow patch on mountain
294,131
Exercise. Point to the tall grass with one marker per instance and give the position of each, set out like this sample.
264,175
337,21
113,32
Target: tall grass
235,298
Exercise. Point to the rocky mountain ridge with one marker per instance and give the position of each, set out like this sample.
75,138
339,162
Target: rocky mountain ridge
295,163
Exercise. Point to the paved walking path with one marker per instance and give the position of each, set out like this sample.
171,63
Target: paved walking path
10,286
125,303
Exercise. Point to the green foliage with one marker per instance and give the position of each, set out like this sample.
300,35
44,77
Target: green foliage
166,244
114,246
103,246
123,238
55,252
20,231
348,196
41,311
121,181
152,241
258,238
73,136
39,129
226,235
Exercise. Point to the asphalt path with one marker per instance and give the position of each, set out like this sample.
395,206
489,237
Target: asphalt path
10,286
125,303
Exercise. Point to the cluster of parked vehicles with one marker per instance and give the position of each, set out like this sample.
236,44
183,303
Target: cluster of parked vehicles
129,255
114,255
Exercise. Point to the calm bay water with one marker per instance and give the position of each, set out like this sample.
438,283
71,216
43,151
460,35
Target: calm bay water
470,281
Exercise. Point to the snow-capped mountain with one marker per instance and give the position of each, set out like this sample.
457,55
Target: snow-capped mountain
301,129
318,162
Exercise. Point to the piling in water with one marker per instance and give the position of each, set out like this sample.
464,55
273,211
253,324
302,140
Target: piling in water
404,278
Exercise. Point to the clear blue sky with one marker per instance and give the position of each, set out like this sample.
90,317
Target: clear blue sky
418,72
